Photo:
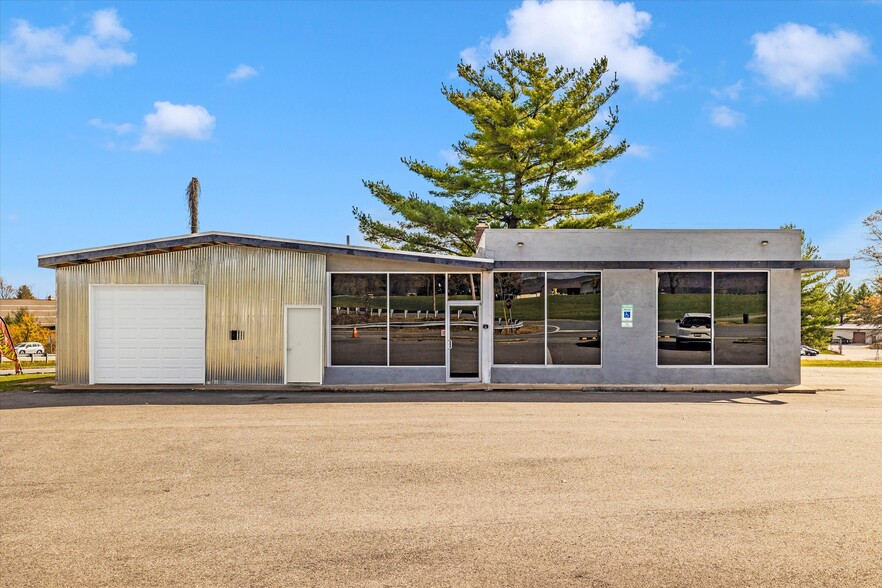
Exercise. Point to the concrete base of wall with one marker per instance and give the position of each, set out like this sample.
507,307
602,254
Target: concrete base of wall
358,375
525,391
643,376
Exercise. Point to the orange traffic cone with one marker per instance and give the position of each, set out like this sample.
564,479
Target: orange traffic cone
354,332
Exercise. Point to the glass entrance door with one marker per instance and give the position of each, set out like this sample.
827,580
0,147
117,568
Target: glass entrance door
463,341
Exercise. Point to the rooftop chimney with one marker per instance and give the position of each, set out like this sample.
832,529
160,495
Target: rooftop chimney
479,230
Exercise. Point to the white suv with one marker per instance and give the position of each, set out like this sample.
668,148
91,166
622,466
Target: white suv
29,348
694,327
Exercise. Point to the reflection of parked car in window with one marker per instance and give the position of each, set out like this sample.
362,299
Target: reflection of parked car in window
29,348
809,351
694,327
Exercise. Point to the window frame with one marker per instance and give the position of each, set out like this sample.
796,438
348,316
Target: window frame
545,364
329,354
713,364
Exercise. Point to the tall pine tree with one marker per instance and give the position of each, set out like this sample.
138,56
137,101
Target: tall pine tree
816,308
534,135
842,299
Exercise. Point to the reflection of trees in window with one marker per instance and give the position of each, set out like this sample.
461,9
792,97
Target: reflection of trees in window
359,319
464,286
416,319
416,292
573,322
362,296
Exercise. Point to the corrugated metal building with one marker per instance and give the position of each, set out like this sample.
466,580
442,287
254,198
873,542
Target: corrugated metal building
667,307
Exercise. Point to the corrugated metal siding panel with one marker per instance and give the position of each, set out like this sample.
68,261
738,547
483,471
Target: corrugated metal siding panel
246,289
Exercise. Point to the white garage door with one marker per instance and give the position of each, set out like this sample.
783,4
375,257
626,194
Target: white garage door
148,334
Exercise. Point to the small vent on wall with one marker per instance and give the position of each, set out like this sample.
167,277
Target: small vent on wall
236,335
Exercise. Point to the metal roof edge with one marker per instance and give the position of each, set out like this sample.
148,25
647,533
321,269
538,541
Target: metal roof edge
94,254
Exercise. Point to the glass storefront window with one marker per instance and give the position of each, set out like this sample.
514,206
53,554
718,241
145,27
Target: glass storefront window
464,287
740,311
573,318
713,318
416,319
685,325
359,319
519,318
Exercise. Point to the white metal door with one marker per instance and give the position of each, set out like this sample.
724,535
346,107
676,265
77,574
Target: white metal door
303,342
147,334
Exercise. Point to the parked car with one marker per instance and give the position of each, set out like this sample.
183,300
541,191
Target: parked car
840,339
29,348
809,351
694,327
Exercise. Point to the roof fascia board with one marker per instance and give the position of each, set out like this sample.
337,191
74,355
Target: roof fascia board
813,265
204,239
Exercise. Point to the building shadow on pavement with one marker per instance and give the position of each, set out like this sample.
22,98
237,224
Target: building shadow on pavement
47,398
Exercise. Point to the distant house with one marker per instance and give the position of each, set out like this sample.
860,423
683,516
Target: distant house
44,311
860,334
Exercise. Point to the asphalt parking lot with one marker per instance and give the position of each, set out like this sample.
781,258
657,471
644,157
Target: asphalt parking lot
444,489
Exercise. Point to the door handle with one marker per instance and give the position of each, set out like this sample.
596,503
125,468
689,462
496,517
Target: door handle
450,344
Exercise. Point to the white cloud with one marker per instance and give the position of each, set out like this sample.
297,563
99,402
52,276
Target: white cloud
726,118
638,150
119,129
584,182
106,27
48,57
732,92
798,60
242,72
450,156
175,121
844,242
575,33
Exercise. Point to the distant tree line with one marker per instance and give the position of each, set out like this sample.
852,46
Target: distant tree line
23,325
8,291
827,301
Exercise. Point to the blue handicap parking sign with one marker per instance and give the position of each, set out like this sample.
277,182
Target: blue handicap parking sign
627,314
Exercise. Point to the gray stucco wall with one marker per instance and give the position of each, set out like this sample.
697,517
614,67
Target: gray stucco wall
640,245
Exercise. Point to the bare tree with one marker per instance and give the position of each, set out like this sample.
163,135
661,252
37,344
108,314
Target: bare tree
7,290
192,193
873,251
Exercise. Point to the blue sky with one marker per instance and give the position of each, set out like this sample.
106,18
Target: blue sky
740,115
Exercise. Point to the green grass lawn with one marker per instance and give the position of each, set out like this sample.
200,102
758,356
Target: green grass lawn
674,306
840,363
397,302
26,382
27,364
584,307
581,307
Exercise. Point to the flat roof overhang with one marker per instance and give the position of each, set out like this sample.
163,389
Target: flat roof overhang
810,265
207,239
